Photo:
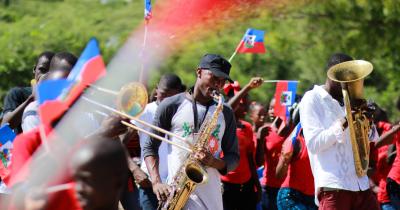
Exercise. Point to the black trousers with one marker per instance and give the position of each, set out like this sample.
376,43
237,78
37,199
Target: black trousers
239,196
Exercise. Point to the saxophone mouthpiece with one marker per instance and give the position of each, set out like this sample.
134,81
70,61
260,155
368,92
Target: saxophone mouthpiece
215,93
217,96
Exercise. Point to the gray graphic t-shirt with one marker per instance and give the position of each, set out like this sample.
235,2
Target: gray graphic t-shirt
176,115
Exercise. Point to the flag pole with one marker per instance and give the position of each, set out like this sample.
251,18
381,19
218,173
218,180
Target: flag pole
142,73
233,55
43,137
272,81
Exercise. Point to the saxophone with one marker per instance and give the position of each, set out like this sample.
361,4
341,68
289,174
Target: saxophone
351,75
192,172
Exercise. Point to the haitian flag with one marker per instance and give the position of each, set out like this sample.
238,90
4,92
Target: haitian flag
285,96
89,67
50,106
7,137
147,10
51,89
252,42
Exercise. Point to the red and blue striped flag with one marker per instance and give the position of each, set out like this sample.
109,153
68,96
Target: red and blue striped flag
285,96
89,67
252,42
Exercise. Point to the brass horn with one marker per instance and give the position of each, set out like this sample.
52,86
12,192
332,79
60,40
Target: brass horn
351,76
131,101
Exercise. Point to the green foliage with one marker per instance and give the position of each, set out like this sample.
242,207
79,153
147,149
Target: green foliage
28,28
299,39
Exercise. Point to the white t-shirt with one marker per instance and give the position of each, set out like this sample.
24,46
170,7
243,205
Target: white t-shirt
30,117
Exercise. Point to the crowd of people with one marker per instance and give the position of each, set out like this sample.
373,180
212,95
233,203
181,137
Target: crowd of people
307,161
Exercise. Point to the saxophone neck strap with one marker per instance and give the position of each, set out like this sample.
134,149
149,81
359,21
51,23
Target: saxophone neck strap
196,122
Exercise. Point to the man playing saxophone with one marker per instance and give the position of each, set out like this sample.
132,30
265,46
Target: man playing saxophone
338,181
183,114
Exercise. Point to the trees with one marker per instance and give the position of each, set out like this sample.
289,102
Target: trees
299,39
29,27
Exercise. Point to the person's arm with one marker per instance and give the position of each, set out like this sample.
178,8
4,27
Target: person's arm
282,167
253,83
318,138
284,159
162,119
111,127
387,138
229,145
140,177
229,142
131,138
14,118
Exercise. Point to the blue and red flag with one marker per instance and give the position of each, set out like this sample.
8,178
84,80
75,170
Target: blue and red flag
57,96
7,137
50,104
147,10
252,42
89,68
285,96
90,65
48,90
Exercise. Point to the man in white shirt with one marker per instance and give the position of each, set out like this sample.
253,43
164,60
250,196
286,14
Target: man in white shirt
322,115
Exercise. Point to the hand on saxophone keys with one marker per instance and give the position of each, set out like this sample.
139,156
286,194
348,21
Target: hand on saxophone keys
205,157
161,190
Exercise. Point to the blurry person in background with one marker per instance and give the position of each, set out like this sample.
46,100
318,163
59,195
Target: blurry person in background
242,189
60,66
18,98
169,85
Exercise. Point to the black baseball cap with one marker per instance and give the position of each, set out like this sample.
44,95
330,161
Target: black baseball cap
218,65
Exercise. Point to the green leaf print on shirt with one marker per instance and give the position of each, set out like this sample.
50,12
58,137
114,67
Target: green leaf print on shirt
216,131
187,129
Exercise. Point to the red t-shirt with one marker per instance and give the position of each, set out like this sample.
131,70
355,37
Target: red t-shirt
382,170
299,175
24,146
242,173
382,167
395,171
273,147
